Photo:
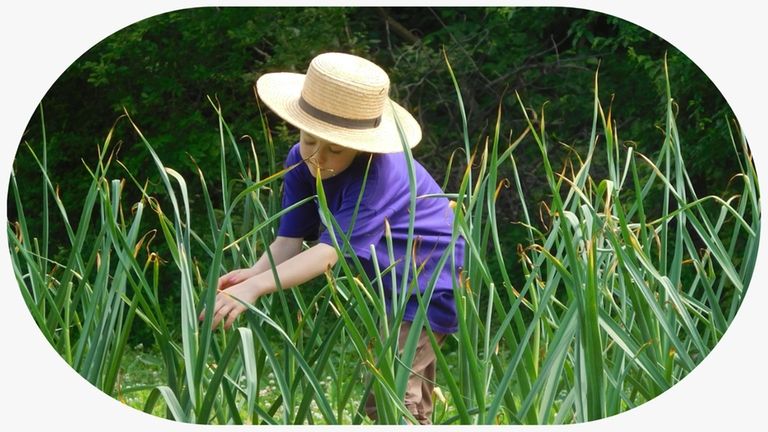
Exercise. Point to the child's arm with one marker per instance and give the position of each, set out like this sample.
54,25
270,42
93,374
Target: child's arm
293,271
282,248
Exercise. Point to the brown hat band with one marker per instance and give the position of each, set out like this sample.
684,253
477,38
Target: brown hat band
337,120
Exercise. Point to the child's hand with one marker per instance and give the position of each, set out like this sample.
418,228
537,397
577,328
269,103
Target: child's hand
233,278
227,307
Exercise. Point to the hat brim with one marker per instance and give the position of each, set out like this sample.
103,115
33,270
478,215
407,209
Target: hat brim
281,92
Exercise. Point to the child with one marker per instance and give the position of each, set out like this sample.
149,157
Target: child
345,117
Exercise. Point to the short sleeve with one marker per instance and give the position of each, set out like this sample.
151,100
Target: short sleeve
302,221
367,226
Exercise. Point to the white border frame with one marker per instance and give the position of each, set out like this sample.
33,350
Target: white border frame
41,38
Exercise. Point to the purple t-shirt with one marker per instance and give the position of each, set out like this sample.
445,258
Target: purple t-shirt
386,196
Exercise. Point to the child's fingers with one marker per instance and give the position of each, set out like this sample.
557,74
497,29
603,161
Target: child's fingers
216,305
218,311
223,282
201,317
229,279
219,315
225,311
233,314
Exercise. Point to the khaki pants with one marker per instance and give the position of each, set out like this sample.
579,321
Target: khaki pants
418,392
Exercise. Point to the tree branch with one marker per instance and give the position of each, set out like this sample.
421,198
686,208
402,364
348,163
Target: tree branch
398,28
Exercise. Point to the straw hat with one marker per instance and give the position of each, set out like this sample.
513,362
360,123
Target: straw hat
343,99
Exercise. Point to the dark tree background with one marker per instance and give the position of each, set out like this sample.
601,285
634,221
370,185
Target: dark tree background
163,70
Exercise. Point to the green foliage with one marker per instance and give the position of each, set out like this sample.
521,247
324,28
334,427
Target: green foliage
614,306
548,56
161,70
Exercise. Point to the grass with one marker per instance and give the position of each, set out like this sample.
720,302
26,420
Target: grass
142,369
629,280
140,373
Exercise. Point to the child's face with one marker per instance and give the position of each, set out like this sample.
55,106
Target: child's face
330,158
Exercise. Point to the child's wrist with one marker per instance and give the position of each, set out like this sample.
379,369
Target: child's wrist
251,272
257,287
